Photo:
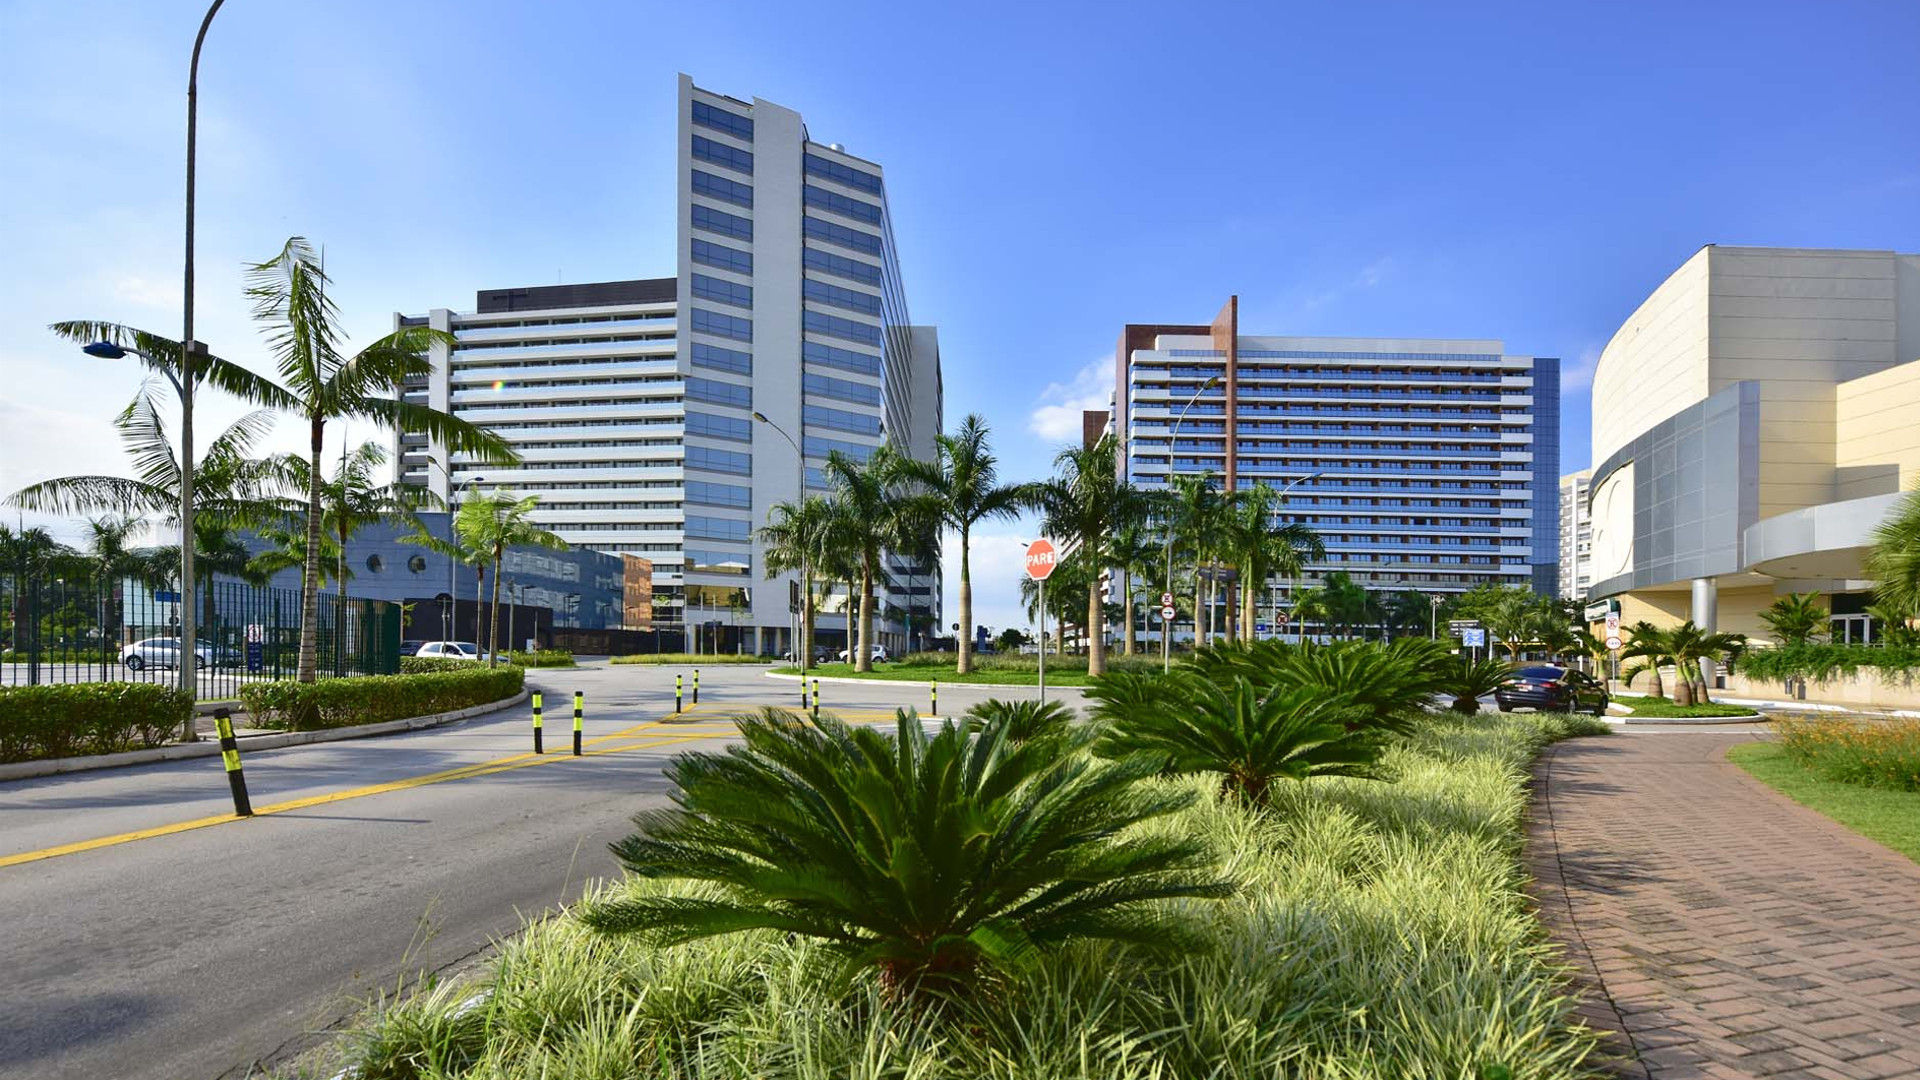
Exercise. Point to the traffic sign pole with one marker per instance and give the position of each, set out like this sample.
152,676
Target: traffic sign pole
1042,557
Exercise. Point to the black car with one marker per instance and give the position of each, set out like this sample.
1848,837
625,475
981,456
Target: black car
410,647
1552,689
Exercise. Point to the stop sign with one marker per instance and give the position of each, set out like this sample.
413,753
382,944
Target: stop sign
1041,559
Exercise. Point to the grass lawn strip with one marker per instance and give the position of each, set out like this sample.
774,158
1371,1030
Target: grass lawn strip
918,674
1887,817
1380,931
1664,707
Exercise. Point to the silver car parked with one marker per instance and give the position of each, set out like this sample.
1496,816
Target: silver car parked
164,652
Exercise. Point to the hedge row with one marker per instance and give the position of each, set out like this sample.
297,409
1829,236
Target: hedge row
542,658
371,699
1822,662
38,722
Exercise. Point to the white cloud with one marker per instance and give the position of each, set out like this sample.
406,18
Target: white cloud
998,563
1578,375
1057,417
146,292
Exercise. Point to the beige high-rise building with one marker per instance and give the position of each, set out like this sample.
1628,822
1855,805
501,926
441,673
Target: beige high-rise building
1753,420
1576,535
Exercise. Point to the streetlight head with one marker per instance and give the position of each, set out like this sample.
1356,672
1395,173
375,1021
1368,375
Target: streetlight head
105,350
762,417
476,479
1212,381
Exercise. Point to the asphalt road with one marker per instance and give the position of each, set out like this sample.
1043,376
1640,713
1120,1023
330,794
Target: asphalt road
202,951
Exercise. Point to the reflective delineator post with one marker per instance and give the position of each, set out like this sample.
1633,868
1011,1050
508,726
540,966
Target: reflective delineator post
696,686
579,700
933,697
230,755
538,746
816,701
676,694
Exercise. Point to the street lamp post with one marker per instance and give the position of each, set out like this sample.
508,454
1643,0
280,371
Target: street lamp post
453,541
1433,626
800,495
1166,625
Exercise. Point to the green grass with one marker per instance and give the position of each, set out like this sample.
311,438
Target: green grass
689,659
1888,817
988,670
1380,931
1664,707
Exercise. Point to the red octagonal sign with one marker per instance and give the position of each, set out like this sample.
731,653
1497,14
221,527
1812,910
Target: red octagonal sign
1041,559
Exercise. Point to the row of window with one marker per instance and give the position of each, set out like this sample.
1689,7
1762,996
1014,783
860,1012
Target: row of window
723,461
844,205
716,392
719,221
840,420
712,116
722,359
815,446
722,257
721,154
719,427
841,173
729,326
815,352
725,292
840,296
842,389
711,494
820,322
840,266
719,562
846,236
713,528
719,187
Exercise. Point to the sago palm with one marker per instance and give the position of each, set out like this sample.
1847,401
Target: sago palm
1469,680
964,481
1796,618
926,857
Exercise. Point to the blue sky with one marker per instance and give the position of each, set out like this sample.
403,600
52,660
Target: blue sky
1525,172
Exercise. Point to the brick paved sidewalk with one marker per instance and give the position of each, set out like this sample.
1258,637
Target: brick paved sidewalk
1722,930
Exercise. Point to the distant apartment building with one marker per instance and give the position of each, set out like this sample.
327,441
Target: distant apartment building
653,415
1576,535
1423,464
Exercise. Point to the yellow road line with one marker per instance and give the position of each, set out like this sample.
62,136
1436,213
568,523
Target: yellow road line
641,736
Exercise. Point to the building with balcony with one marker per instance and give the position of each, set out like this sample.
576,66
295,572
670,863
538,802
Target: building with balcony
653,416
1423,464
1753,420
1576,535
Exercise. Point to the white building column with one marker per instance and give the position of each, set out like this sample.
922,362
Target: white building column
1706,616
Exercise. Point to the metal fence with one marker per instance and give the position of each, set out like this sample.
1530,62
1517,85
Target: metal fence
55,630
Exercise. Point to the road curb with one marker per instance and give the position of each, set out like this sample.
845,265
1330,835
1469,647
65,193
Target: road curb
919,682
23,770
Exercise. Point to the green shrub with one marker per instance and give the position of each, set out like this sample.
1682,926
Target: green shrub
1877,754
1384,681
690,660
927,857
541,658
371,699
39,722
420,665
1823,662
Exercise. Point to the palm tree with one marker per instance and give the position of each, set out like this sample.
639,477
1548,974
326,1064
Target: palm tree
1259,547
1136,557
1195,506
1408,610
1645,642
798,538
1348,603
1796,618
1086,500
489,525
964,479
353,498
1310,604
1689,646
319,384
26,556
1894,562
872,516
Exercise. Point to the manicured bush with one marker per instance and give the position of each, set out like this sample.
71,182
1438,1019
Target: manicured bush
420,665
1823,662
1878,754
541,658
39,722
371,699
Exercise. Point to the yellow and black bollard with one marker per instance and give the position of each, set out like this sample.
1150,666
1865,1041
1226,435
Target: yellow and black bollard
933,697
676,694
538,746
696,686
578,700
816,701
230,755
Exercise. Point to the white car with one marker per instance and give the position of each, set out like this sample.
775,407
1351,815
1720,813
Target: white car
454,650
879,654
164,652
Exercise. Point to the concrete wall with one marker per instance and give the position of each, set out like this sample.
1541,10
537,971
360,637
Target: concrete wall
1877,432
1866,689
1656,363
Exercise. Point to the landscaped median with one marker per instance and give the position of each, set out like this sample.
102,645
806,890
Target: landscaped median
1204,880
1659,708
690,659
1863,774
373,699
988,670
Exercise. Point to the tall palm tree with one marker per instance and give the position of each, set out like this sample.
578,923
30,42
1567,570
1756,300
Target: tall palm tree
872,517
490,524
798,538
1348,603
26,556
1136,557
1259,546
1310,605
1087,499
964,478
352,498
1894,562
1196,504
319,383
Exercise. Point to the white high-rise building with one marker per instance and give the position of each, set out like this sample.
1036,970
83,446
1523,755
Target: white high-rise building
654,415
1576,536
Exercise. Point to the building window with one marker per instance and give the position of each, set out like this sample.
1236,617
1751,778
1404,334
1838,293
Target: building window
844,205
719,221
819,447
840,420
712,116
826,386
725,292
716,392
845,359
839,296
719,427
835,326
832,232
720,359
842,174
709,493
723,461
729,326
721,154
719,562
725,258
719,187
827,262
712,528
